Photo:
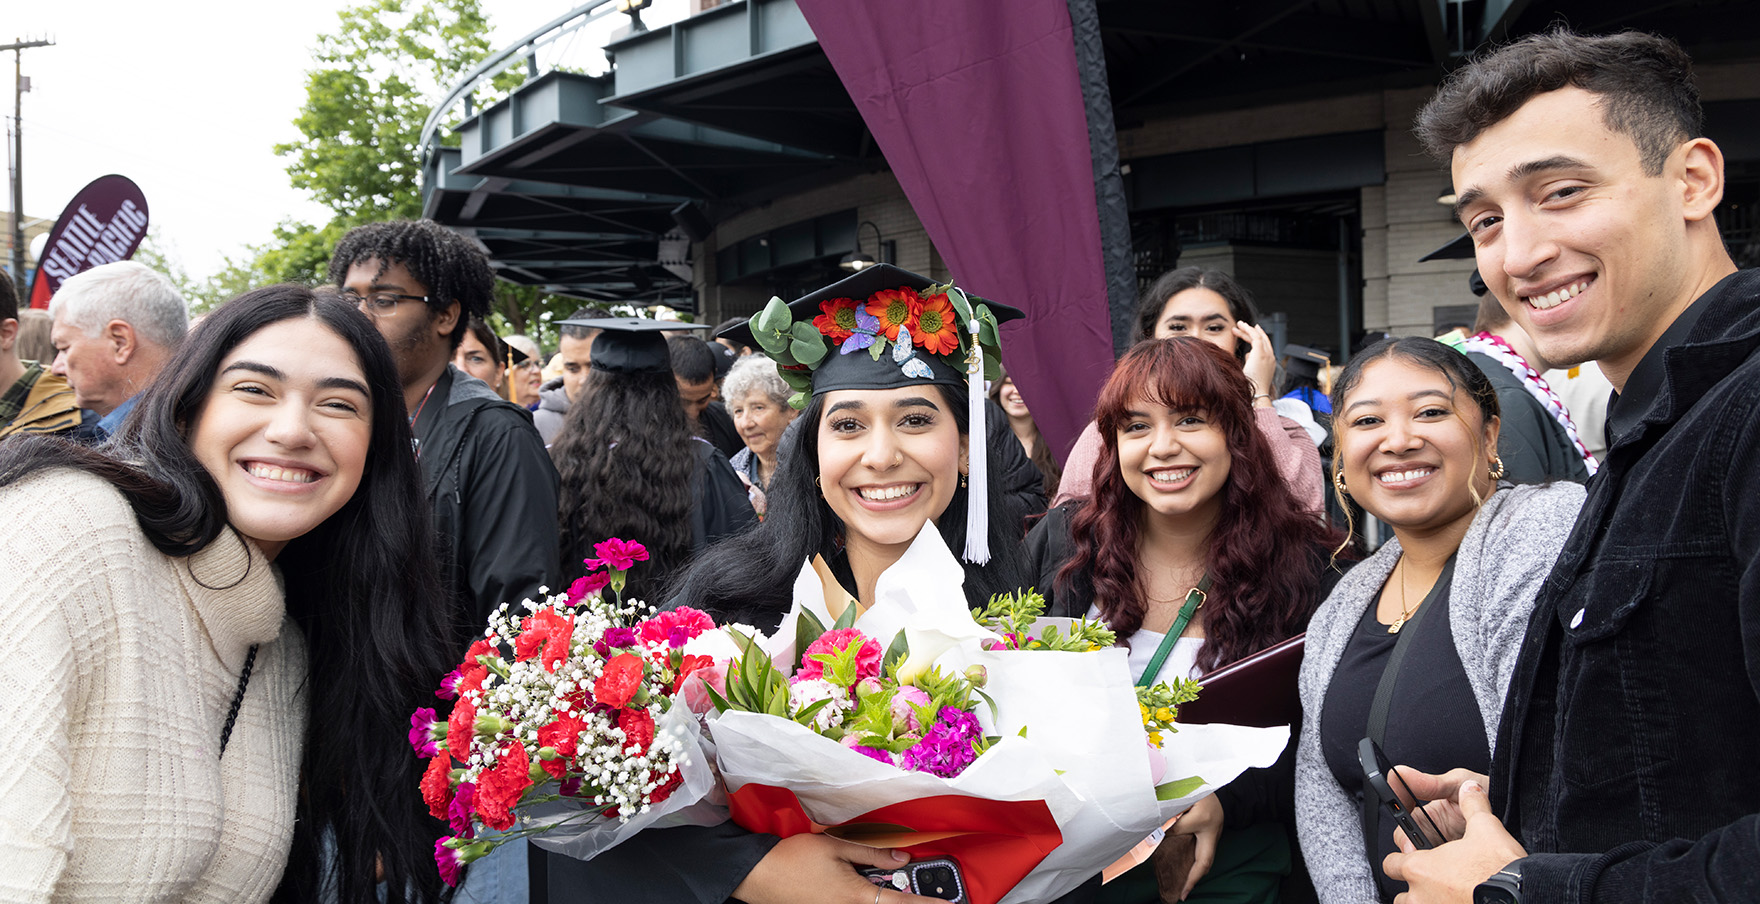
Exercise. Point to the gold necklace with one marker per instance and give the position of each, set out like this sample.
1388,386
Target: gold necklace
1405,613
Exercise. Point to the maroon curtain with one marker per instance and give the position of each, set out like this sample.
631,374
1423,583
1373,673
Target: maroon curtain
978,109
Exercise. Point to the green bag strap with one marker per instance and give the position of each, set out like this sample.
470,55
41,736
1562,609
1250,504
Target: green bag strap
1194,602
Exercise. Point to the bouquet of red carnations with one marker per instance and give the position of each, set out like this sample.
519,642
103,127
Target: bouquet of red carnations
565,723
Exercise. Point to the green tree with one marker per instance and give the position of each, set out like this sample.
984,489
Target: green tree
372,87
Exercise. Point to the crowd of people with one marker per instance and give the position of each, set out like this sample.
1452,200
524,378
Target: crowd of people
239,552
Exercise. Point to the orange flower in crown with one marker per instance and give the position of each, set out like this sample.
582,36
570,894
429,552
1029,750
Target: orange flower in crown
896,308
937,326
838,319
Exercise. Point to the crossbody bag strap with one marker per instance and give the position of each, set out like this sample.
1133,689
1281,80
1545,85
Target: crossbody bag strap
1194,601
1377,728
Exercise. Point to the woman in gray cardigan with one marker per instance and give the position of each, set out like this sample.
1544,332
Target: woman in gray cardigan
1417,435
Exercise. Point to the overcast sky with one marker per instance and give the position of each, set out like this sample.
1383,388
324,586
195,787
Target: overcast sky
188,98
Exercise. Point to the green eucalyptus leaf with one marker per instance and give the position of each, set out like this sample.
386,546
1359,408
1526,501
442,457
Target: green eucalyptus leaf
775,318
987,333
799,400
808,352
961,306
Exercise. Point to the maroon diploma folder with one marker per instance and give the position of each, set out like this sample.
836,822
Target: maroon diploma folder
1259,690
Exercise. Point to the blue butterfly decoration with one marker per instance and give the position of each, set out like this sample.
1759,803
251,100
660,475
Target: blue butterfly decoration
905,356
867,329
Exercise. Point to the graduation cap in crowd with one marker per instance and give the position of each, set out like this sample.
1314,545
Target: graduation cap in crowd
1459,248
520,349
886,328
632,345
1304,362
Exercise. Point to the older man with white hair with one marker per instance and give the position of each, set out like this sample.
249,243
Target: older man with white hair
114,327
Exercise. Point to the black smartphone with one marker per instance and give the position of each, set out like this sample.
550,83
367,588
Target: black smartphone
937,878
1380,778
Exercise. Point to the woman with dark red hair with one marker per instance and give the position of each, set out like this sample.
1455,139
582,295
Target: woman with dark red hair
1193,549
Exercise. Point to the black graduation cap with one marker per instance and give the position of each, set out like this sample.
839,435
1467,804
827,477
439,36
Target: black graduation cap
829,339
1459,248
886,328
1304,361
632,345
515,354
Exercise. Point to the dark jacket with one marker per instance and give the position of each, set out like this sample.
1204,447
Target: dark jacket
494,494
1532,443
1625,760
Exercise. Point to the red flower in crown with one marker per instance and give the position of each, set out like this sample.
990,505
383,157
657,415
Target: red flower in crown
937,326
896,308
839,319
617,555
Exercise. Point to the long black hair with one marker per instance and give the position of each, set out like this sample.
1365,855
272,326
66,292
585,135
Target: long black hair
361,586
749,577
625,457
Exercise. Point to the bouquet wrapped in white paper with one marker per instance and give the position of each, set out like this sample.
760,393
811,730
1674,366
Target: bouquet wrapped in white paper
1061,785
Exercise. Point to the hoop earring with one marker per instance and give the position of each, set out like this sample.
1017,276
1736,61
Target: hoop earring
1338,484
1497,469
819,482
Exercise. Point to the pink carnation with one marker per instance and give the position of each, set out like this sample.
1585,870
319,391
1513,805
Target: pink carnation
867,660
675,628
617,555
587,585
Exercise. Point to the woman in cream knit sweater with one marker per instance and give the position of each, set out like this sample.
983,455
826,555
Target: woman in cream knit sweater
174,602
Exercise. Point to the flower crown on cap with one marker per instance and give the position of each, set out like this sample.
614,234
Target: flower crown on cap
910,323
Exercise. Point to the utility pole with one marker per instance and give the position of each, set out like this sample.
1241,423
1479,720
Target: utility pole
18,47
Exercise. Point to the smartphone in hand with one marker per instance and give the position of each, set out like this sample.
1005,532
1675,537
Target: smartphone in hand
1397,800
937,878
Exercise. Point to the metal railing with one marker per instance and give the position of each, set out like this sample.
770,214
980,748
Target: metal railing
525,49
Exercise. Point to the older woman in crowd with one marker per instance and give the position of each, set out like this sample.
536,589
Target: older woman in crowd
758,400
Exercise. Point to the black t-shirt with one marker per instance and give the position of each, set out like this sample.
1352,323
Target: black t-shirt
1433,720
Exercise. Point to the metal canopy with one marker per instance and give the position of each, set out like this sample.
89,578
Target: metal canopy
572,180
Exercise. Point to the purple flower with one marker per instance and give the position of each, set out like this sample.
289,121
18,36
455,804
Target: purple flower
875,753
571,787
449,685
678,637
620,637
448,861
588,584
458,813
946,748
421,732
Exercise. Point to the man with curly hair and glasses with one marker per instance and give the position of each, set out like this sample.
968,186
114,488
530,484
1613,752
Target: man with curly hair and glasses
483,464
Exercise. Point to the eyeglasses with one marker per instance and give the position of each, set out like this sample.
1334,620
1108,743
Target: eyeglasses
377,303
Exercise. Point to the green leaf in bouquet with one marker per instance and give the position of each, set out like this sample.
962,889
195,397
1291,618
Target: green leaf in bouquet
721,704
807,628
895,654
994,715
778,705
805,716
1178,788
847,619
